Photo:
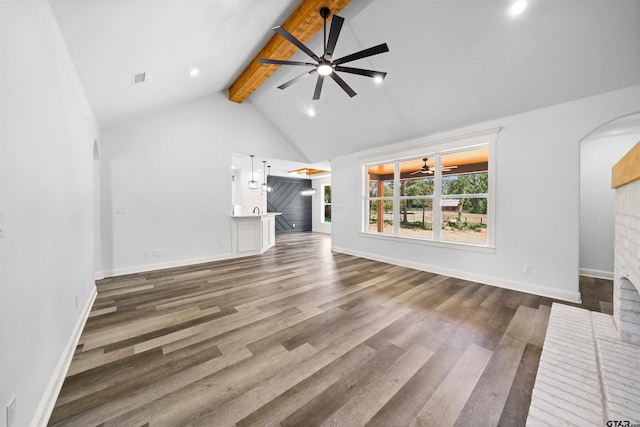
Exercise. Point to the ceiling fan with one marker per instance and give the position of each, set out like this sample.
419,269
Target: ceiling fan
424,169
325,65
428,171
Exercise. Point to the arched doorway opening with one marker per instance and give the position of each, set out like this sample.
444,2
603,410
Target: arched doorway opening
599,151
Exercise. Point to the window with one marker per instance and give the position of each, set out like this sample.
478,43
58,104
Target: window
326,203
443,195
380,201
465,188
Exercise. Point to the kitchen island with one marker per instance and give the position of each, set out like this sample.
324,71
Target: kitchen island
253,234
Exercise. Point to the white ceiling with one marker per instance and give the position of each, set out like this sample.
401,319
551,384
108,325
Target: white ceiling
451,63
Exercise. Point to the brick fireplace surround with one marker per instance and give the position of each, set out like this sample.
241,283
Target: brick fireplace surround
589,371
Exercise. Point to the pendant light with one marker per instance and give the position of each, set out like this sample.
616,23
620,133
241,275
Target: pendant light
253,184
308,191
264,175
269,189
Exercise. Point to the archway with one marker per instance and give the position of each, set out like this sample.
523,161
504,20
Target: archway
599,151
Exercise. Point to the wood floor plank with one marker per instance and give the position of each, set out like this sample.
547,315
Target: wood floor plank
298,396
128,402
488,398
242,406
197,398
320,408
403,407
444,407
301,336
365,404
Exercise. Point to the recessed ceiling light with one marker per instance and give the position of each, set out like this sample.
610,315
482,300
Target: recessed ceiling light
378,79
518,7
311,112
194,72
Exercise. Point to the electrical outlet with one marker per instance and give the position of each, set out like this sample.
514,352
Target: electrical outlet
156,252
528,268
119,211
11,412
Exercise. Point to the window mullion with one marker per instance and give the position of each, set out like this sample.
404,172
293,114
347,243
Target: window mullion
396,198
437,190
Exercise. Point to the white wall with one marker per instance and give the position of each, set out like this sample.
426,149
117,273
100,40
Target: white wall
316,204
171,173
47,132
597,201
537,200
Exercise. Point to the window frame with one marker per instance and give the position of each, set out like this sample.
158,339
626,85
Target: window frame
433,149
323,204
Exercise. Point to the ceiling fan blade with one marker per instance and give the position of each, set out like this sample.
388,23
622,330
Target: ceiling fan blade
334,32
281,62
295,79
360,71
381,48
316,93
284,33
343,85
416,172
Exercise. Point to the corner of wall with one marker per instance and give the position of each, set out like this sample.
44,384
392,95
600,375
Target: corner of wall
48,401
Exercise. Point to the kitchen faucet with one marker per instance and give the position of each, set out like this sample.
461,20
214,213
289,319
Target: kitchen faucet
254,210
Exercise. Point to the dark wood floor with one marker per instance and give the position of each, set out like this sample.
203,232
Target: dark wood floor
301,336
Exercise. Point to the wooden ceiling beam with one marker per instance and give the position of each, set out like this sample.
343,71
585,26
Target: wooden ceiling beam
303,23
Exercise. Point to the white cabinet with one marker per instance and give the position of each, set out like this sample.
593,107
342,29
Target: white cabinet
253,234
247,235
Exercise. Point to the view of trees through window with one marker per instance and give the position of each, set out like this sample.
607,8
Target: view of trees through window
460,203
326,203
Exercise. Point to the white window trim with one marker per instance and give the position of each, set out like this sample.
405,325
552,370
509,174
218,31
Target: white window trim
434,149
323,204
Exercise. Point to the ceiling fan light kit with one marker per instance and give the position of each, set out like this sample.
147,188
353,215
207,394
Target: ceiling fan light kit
325,65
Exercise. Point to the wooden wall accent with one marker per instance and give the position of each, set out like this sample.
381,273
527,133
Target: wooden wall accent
303,23
285,198
627,169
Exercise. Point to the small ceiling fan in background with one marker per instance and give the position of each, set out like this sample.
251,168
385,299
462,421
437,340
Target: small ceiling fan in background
325,65
425,170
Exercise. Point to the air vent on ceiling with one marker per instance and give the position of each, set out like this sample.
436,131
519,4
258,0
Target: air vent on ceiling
138,78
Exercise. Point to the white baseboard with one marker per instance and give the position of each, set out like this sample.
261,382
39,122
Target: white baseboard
465,275
48,401
162,265
598,274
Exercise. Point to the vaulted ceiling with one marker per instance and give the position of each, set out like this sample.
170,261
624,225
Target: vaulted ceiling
451,63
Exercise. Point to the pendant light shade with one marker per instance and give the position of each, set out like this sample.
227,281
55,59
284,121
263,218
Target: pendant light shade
308,191
253,184
264,175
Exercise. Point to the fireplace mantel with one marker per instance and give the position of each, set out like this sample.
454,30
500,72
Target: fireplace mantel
627,169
